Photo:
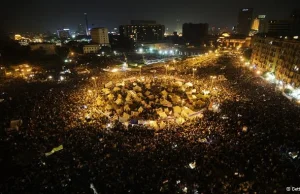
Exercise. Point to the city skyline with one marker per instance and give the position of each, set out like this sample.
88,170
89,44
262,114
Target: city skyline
51,15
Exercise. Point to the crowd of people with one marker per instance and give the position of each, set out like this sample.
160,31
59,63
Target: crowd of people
250,146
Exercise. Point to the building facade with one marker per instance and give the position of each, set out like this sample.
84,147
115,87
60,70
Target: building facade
244,21
48,48
140,30
194,33
100,36
279,27
278,55
64,33
91,48
259,25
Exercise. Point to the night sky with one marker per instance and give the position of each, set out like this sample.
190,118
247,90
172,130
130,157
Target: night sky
42,16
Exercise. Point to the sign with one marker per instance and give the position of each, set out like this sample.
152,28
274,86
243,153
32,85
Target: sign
261,16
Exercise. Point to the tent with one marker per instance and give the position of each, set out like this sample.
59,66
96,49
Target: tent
126,108
137,89
108,107
164,93
116,89
105,91
119,101
162,114
162,125
180,120
188,84
110,97
147,93
140,109
109,84
15,124
177,109
178,83
120,84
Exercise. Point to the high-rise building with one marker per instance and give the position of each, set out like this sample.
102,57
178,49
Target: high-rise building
81,30
194,33
279,56
64,33
100,36
143,30
259,25
178,26
279,27
244,21
86,24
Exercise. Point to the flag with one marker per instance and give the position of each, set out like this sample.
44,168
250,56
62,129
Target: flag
54,150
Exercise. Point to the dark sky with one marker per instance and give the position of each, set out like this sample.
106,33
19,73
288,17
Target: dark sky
49,15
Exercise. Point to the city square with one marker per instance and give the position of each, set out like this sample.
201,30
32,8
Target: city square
111,151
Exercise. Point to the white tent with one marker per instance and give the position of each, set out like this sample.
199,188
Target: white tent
188,84
180,120
178,83
126,108
162,125
140,109
108,107
116,89
119,101
147,93
162,114
164,93
177,109
109,84
137,89
106,91
153,124
110,96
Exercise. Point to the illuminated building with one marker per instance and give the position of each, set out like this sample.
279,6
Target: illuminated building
194,33
18,37
64,33
244,21
91,48
234,41
143,30
86,24
278,55
100,36
259,25
48,48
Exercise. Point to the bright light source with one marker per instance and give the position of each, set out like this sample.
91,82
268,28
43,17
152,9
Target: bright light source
61,78
140,50
258,72
114,70
50,77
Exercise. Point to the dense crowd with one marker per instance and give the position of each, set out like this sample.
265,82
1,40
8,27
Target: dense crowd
246,148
